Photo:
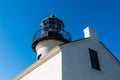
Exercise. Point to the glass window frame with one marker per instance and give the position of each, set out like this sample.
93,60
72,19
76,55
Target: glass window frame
94,59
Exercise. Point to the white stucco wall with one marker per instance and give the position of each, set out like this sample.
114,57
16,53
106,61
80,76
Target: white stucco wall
72,61
43,47
50,70
76,63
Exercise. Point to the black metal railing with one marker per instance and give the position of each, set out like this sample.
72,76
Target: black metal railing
52,34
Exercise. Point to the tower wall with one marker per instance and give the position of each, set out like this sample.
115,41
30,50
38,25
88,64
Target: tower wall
43,47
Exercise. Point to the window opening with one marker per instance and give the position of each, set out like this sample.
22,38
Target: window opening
94,59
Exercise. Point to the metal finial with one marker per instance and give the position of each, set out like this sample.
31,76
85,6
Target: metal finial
52,13
52,16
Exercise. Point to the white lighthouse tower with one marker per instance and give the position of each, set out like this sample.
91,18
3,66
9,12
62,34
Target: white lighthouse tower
59,58
50,35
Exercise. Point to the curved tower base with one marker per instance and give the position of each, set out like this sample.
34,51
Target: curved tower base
43,47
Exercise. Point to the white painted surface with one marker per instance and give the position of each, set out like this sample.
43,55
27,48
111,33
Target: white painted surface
50,70
43,47
77,66
89,32
73,62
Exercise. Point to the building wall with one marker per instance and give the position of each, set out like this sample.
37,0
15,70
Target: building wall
72,61
46,46
50,70
76,63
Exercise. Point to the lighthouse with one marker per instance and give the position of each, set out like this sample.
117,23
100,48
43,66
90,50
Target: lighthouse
50,35
59,58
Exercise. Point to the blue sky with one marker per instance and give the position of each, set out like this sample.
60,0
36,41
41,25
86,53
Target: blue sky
19,19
